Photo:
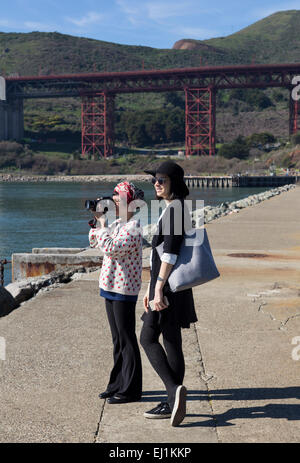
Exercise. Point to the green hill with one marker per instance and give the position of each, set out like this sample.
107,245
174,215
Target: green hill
41,53
273,39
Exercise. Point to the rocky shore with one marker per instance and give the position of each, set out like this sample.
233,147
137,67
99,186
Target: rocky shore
18,292
212,213
73,178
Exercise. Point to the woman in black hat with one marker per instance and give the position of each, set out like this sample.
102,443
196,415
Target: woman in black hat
167,312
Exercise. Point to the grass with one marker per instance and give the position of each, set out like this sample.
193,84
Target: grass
64,150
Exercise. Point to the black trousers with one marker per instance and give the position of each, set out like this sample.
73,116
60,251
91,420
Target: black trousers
126,376
168,362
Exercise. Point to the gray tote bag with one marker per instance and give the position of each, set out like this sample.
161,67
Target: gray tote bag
195,264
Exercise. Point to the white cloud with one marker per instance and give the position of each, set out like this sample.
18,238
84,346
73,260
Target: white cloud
27,25
196,33
36,26
90,18
135,13
6,23
160,11
165,13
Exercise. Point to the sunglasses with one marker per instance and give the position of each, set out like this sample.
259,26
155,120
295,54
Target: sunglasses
160,180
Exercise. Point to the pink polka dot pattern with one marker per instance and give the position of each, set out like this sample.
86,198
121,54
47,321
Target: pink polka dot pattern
121,244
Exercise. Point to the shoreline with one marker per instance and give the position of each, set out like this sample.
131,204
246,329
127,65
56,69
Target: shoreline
225,208
109,178
103,178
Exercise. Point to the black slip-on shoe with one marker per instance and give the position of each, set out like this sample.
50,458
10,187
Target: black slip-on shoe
159,412
179,408
106,394
122,400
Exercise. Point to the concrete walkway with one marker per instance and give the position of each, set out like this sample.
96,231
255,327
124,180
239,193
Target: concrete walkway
242,370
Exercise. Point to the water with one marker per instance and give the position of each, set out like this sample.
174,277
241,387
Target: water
35,215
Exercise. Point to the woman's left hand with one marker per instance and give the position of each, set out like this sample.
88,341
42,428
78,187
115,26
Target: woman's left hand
158,300
101,220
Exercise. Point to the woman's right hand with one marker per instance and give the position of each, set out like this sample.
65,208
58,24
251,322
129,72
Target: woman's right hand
146,300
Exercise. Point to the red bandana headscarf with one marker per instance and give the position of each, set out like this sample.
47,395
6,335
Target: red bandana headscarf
132,191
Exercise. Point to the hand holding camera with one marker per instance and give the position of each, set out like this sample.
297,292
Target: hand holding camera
99,208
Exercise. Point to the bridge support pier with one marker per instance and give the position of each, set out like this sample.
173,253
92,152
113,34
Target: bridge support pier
294,116
200,120
11,120
97,116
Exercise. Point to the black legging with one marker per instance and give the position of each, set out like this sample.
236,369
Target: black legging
126,375
168,363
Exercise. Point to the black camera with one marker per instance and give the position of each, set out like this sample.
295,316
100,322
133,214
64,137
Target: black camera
91,204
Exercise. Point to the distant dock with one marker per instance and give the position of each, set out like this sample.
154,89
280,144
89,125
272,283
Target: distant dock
240,181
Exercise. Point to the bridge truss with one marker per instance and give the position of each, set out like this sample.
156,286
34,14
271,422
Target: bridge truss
97,125
200,85
200,121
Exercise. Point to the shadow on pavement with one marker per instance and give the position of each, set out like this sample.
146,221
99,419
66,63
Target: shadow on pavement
154,396
255,393
290,412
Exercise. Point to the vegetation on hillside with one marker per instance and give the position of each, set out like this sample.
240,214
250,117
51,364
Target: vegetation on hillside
55,53
247,155
151,119
240,147
274,39
270,40
147,120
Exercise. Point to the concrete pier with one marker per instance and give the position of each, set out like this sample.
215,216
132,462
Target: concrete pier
208,181
43,261
242,356
264,180
11,120
240,181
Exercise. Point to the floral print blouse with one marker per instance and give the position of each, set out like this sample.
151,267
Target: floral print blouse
121,244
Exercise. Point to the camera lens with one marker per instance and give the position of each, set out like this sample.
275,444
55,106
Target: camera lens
90,205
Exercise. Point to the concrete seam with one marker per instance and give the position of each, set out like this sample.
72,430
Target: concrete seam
268,314
206,378
283,324
99,423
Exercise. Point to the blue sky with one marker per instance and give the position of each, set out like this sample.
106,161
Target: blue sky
154,23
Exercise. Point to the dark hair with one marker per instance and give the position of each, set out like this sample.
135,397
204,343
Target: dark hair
176,191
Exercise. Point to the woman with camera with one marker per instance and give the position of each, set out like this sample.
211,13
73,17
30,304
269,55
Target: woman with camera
120,283
167,312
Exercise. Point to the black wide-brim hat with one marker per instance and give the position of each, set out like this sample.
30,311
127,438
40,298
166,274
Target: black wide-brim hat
175,172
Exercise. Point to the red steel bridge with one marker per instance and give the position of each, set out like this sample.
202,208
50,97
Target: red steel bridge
97,91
